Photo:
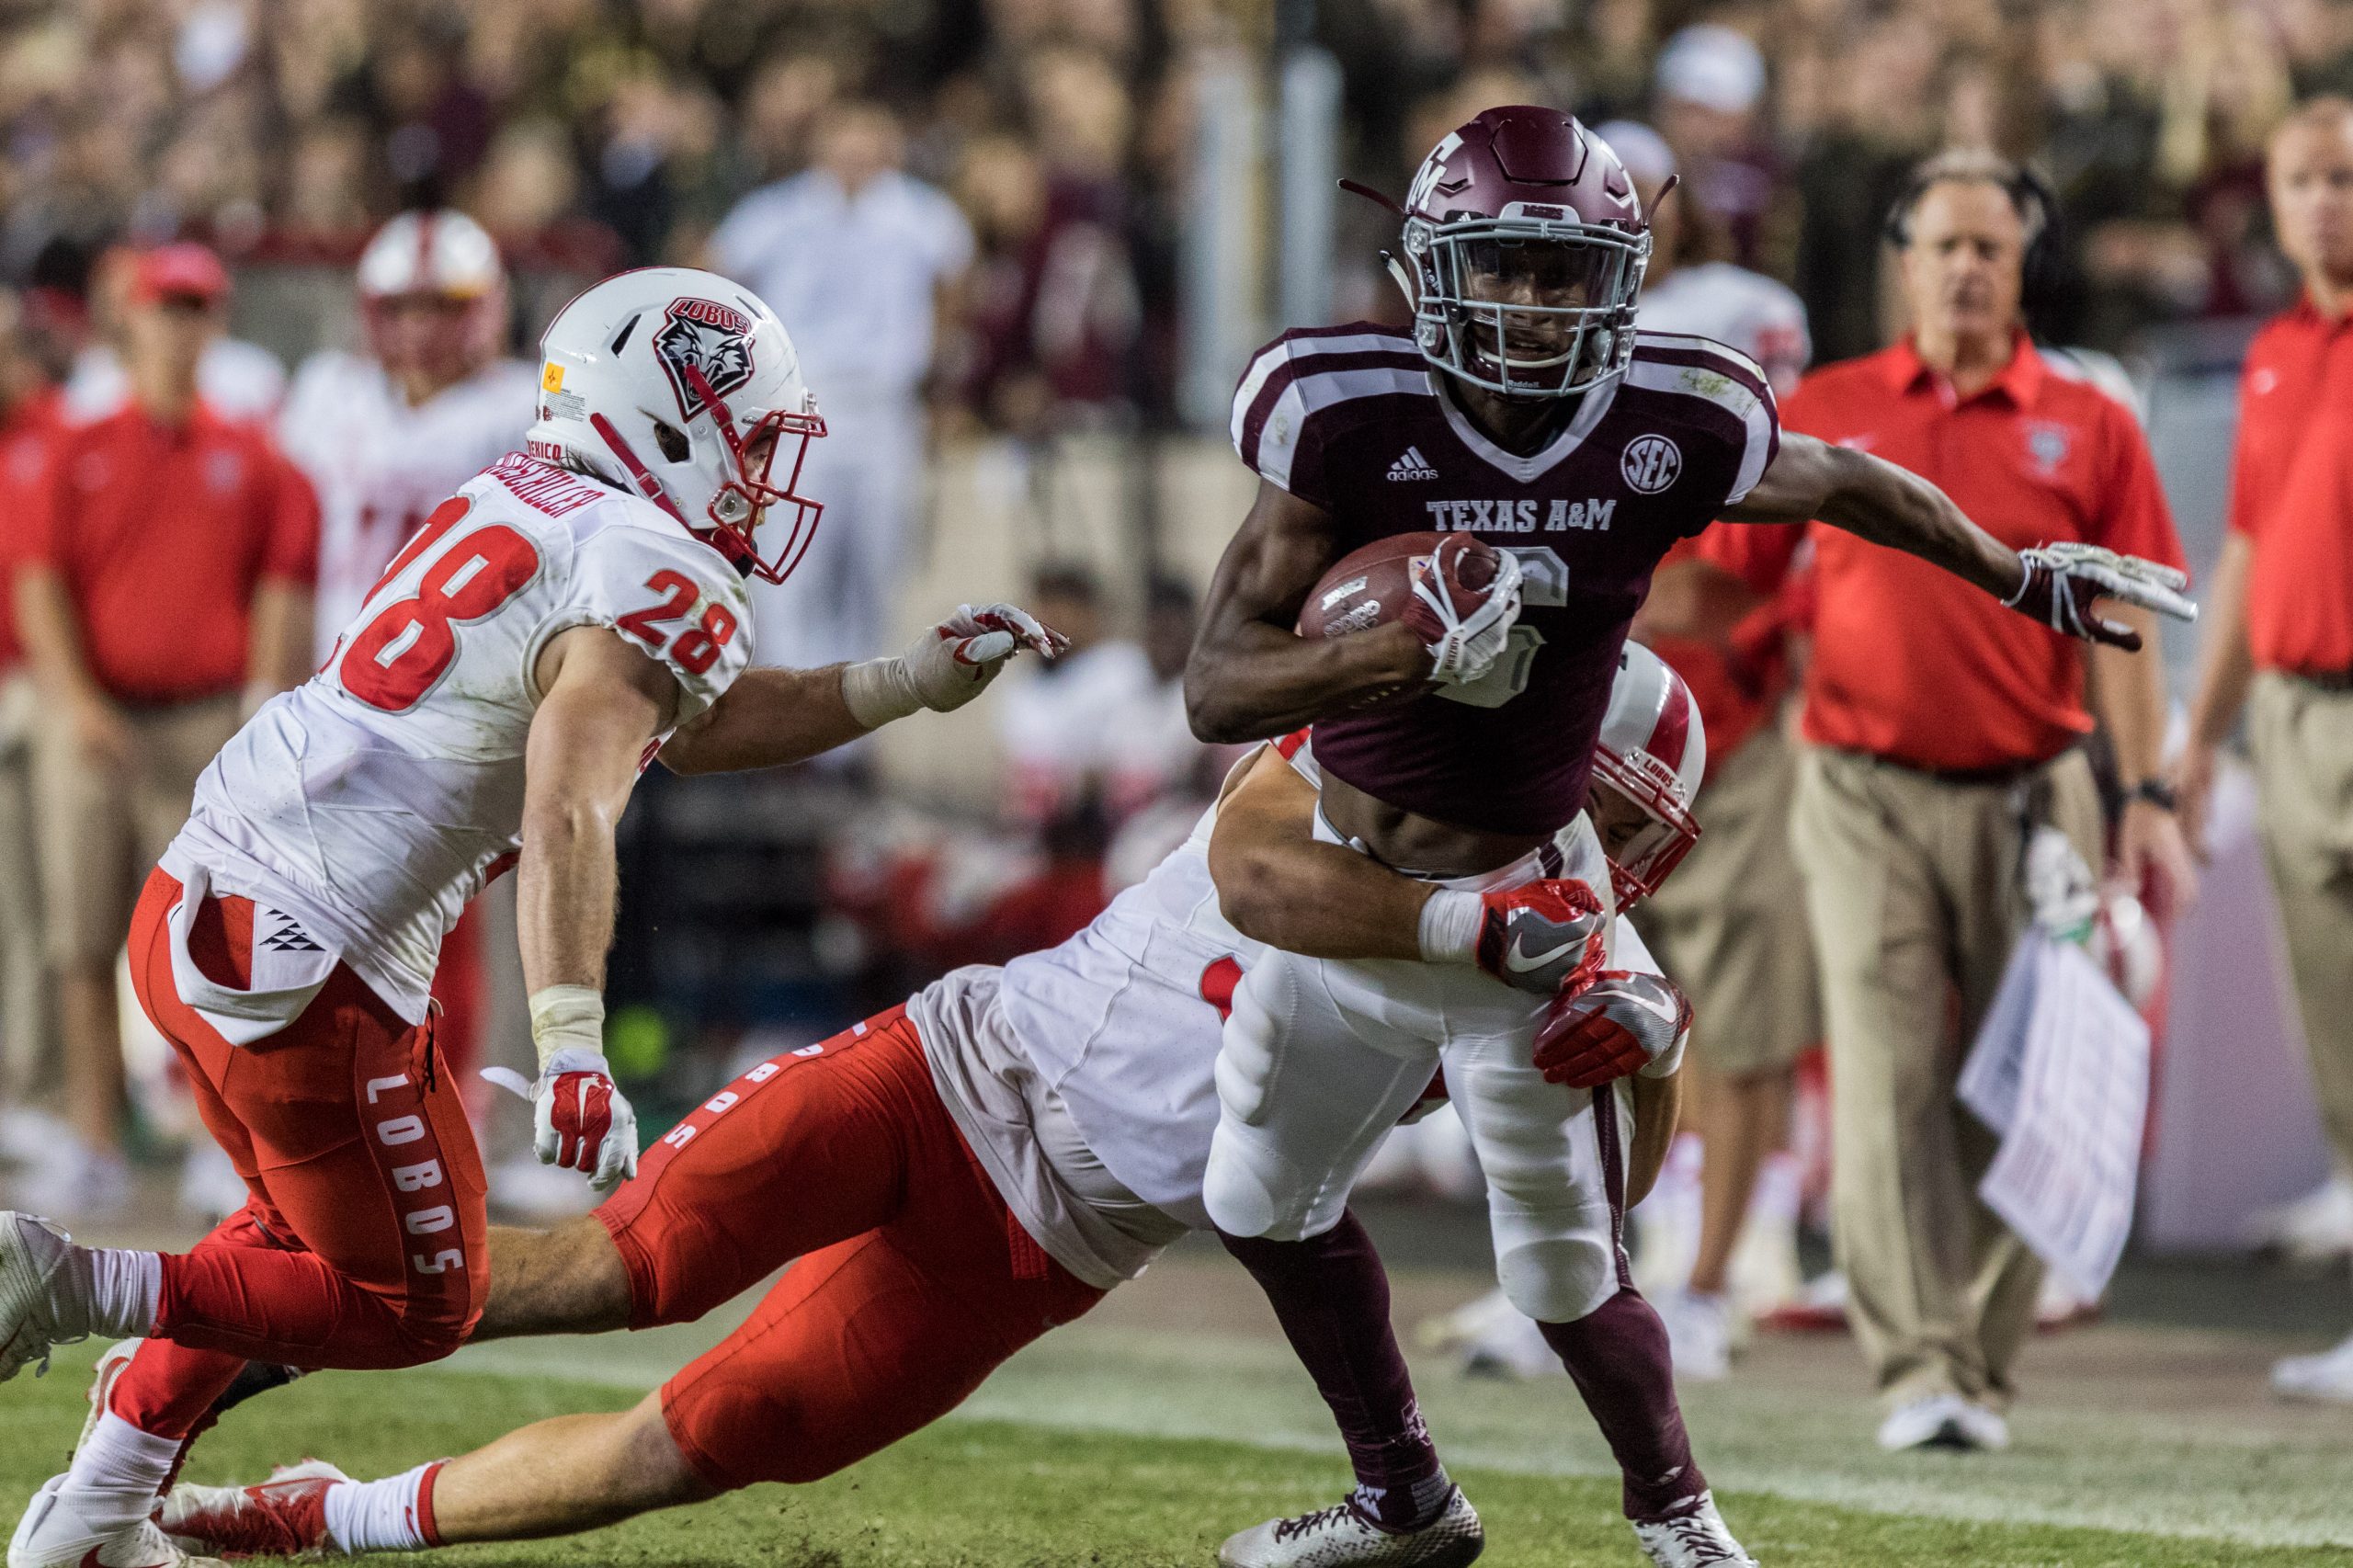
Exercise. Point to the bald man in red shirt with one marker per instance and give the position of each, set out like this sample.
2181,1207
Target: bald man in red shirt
2281,642
164,590
1937,732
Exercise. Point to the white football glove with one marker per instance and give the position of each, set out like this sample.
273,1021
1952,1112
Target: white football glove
2063,580
580,1119
948,665
1464,647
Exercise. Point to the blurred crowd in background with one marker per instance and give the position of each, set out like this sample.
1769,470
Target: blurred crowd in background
593,134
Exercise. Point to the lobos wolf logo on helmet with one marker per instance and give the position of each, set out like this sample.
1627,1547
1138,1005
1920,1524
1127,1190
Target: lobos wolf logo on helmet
712,338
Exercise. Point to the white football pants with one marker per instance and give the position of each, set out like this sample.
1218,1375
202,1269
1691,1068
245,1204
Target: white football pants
1321,1057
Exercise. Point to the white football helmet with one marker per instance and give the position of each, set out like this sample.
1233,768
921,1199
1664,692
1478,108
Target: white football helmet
1654,751
682,386
438,255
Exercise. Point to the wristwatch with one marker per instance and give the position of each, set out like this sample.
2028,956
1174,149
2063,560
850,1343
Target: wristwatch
2157,792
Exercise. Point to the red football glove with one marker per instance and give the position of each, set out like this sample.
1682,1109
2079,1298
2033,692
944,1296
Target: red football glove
1623,1022
1542,935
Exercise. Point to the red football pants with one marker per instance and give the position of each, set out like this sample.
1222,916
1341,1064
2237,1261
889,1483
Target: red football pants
913,1283
364,1241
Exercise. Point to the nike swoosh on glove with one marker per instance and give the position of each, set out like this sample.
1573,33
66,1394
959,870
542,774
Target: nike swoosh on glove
1464,645
2062,581
1542,934
1624,1022
580,1120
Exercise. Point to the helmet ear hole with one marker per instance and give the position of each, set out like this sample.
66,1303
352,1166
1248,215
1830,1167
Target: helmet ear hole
673,442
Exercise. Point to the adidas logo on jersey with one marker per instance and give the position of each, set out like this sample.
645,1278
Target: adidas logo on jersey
1413,465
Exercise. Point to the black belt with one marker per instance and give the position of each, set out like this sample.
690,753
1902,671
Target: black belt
2000,776
2325,680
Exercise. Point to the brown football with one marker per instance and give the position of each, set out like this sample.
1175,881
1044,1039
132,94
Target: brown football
1374,585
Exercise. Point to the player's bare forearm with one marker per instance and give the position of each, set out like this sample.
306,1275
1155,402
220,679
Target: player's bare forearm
1279,886
2128,693
1658,1105
277,656
2225,667
769,718
1250,676
51,633
604,702
1259,680
1872,499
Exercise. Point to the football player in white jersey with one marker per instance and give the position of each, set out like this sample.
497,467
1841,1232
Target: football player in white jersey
564,618
955,1177
386,436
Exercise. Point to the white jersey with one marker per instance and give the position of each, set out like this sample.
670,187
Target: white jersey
1736,307
371,802
380,465
1083,1076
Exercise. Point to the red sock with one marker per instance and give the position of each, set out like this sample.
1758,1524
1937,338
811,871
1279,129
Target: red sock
167,1389
1618,1358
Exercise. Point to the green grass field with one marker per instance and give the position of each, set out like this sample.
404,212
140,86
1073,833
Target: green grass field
988,1493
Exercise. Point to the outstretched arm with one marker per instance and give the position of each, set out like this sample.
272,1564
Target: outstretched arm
1877,501
1250,674
771,717
1811,480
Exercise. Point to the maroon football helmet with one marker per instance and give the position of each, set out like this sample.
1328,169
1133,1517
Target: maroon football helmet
1527,245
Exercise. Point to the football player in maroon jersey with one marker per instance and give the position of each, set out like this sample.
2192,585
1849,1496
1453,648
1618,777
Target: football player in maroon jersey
1523,407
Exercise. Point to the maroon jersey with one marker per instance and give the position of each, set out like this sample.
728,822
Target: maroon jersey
1351,419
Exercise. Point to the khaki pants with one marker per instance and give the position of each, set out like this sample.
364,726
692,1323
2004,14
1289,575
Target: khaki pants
2302,739
103,829
26,1032
1915,890
1729,925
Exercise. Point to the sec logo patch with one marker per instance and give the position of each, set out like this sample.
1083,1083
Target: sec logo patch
1650,463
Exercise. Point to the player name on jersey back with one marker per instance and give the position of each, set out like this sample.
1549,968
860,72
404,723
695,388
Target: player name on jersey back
1354,421
378,798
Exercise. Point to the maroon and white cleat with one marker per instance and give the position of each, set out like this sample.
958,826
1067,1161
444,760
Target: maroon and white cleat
283,1517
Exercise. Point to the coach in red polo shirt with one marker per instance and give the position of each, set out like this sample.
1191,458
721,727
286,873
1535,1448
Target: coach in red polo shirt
166,584
28,424
2281,640
1940,727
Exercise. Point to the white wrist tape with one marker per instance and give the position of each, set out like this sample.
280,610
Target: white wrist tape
1450,928
567,1018
1667,1063
878,691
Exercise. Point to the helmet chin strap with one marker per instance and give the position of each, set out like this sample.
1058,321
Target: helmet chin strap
642,477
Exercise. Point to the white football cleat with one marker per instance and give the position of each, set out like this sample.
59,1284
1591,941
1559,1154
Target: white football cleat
31,1252
1698,1336
1495,1339
2326,1376
102,1376
54,1534
1696,1539
283,1517
1339,1537
2312,1228
1932,1421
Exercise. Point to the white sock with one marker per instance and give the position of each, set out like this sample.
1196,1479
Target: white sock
108,1290
379,1515
118,1470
